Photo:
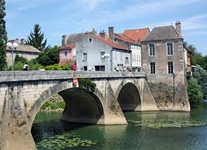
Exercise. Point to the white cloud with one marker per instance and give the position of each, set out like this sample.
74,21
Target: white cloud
151,7
93,4
195,22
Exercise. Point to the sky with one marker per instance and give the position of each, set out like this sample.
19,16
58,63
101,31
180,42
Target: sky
59,17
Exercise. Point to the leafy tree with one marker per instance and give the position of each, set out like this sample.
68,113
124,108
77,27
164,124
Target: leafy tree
196,57
20,59
201,76
3,36
36,39
49,57
194,92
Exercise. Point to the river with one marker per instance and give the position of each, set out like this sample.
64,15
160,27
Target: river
51,133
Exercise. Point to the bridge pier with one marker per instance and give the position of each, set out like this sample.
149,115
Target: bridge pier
15,132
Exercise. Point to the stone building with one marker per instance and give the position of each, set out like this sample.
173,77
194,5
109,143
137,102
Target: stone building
100,53
132,39
27,51
67,52
163,60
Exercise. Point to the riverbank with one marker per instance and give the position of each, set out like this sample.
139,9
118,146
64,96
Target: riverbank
54,103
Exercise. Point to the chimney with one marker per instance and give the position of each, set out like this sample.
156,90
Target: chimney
111,33
178,28
94,32
64,40
102,34
16,40
22,42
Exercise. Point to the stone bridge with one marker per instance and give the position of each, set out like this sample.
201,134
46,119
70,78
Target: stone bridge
22,93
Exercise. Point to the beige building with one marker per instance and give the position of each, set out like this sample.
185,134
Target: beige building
27,51
163,60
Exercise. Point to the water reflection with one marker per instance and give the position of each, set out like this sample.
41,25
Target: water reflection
130,137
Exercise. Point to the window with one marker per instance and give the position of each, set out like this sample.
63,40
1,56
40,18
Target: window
152,49
115,54
65,53
102,55
127,60
84,57
152,67
170,67
169,48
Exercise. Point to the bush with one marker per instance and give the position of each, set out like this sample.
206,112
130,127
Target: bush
57,67
194,92
87,84
53,67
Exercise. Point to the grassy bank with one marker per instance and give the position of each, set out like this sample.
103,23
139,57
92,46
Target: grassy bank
55,103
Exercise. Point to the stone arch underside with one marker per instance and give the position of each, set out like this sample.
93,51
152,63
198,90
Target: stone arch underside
129,98
72,96
82,106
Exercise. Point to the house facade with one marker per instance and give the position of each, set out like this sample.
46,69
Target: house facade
100,53
27,51
132,39
67,52
163,61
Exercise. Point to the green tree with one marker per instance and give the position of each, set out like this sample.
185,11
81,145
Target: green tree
194,92
196,57
3,36
36,39
49,57
200,75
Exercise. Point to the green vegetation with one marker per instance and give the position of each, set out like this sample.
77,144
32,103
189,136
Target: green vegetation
53,105
49,57
46,60
36,39
86,84
197,84
194,91
163,123
57,67
3,36
63,141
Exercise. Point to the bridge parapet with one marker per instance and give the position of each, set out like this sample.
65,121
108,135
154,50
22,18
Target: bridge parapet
9,76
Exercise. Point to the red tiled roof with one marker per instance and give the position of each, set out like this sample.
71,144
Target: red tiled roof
110,42
120,36
66,61
67,47
136,34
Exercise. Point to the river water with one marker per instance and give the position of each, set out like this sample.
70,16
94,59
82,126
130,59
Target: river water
47,127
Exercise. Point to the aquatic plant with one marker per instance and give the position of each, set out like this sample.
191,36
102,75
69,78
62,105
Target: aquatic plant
162,123
65,140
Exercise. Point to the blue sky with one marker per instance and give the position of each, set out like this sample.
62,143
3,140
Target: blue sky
58,17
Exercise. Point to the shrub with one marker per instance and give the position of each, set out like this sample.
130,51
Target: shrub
194,91
86,84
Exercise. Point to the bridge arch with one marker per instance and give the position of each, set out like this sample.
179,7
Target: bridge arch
79,102
129,97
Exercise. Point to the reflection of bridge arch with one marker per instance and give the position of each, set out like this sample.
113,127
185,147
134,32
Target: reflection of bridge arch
129,98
